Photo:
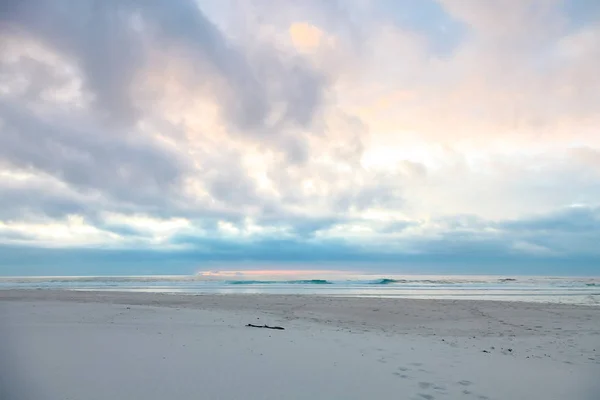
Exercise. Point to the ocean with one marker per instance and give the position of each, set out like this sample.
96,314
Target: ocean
571,290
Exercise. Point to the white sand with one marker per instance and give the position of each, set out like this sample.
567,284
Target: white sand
76,345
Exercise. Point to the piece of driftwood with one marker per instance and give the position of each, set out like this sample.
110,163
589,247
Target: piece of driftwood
266,327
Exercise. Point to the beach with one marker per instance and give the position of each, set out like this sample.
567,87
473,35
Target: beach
59,344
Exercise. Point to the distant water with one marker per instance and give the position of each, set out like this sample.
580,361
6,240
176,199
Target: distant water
535,289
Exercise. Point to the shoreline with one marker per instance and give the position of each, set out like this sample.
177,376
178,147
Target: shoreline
86,295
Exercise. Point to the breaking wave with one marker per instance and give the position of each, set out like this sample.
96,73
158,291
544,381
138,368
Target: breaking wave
387,281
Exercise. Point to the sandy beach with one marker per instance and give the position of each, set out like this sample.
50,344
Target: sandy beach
103,345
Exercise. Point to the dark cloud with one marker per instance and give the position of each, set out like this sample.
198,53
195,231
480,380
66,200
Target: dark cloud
227,181
463,243
209,253
100,152
573,231
301,226
568,232
109,39
582,219
38,79
397,226
295,147
95,35
129,168
38,200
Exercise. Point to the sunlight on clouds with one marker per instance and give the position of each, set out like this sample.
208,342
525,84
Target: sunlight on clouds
71,232
347,231
228,228
252,228
148,224
384,215
306,37
16,175
392,156
168,88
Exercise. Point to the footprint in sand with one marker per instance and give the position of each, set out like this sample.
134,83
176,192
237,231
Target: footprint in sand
426,396
425,385
465,383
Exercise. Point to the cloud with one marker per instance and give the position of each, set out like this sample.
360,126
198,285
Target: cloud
305,37
26,197
92,35
574,219
111,42
397,133
84,157
532,249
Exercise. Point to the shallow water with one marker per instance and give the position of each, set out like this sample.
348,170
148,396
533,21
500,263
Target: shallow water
570,290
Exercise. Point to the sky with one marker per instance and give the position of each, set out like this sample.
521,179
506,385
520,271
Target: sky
409,136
